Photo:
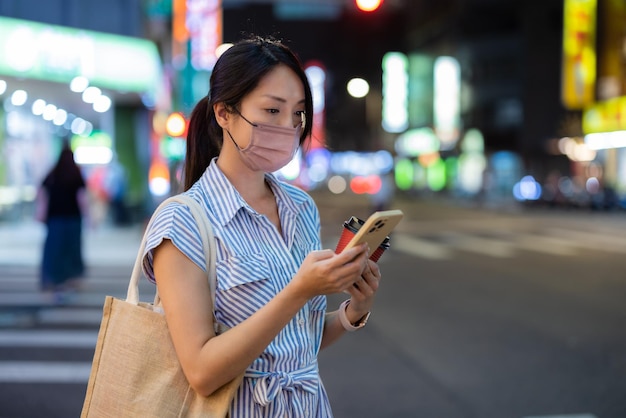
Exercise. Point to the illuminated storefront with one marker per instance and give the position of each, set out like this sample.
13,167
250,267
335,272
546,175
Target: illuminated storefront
58,82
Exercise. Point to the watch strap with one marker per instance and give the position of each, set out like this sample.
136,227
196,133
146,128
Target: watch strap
345,322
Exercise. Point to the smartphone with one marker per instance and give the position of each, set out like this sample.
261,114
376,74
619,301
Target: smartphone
376,228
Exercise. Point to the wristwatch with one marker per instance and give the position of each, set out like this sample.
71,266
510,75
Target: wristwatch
345,322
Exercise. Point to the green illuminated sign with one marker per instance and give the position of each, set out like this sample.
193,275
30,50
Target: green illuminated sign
57,53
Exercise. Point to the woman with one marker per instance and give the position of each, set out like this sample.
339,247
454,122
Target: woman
64,191
272,275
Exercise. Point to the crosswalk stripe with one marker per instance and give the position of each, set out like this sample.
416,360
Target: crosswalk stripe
545,244
48,338
564,416
419,247
61,316
605,242
504,244
480,245
44,372
23,299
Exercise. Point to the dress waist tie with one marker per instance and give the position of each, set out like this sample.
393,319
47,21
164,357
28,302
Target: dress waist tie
269,385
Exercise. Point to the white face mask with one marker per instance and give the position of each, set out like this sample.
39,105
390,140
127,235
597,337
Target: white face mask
271,147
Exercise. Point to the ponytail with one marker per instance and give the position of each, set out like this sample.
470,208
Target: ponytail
204,142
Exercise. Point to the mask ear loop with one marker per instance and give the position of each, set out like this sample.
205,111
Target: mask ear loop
234,142
244,118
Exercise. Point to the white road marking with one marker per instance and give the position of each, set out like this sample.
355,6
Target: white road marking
419,247
544,244
62,316
44,372
563,416
48,338
486,246
604,242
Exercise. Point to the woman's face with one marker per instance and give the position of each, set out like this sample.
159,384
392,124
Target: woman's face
277,100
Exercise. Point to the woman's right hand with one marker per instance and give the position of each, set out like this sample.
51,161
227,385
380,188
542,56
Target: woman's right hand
323,272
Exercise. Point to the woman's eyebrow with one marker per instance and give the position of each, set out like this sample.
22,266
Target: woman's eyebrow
280,99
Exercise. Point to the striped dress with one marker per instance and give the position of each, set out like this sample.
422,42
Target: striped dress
254,262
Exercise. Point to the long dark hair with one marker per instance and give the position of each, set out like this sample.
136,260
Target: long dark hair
65,171
236,73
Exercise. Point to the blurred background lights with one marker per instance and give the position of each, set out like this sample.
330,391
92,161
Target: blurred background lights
337,184
91,94
159,179
592,185
370,184
19,97
415,142
97,154
318,162
81,127
404,174
38,107
368,5
447,101
576,149
395,117
3,86
175,125
60,117
317,78
102,104
159,121
292,170
79,84
527,189
159,186
49,112
94,149
357,87
436,175
606,140
361,163
222,48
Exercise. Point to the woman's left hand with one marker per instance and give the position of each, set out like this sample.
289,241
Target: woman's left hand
364,290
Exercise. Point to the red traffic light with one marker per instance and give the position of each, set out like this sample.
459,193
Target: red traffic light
368,5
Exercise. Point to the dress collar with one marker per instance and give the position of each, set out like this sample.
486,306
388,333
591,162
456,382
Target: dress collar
225,201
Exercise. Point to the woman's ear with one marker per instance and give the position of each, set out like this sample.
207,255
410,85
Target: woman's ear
222,115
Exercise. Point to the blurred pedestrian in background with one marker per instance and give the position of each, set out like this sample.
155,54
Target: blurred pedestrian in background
62,204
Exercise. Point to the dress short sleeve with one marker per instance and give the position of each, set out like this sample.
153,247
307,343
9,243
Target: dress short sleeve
176,223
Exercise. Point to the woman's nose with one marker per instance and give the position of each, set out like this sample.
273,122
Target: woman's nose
286,121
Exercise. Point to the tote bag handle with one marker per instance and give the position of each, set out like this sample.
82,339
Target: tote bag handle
208,245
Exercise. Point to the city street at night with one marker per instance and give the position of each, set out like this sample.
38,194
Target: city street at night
497,127
483,312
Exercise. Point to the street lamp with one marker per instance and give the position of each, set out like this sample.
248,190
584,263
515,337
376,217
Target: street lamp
360,89
357,87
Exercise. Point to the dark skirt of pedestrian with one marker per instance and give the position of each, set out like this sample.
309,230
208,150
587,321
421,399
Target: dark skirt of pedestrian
62,262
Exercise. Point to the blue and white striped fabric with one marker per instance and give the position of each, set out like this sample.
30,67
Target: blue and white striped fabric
254,262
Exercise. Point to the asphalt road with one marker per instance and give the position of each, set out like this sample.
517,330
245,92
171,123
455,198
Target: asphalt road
482,313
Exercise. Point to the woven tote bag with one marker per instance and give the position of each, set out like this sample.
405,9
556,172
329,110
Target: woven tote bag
135,371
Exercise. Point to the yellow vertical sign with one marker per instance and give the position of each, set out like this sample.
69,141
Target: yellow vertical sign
579,53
